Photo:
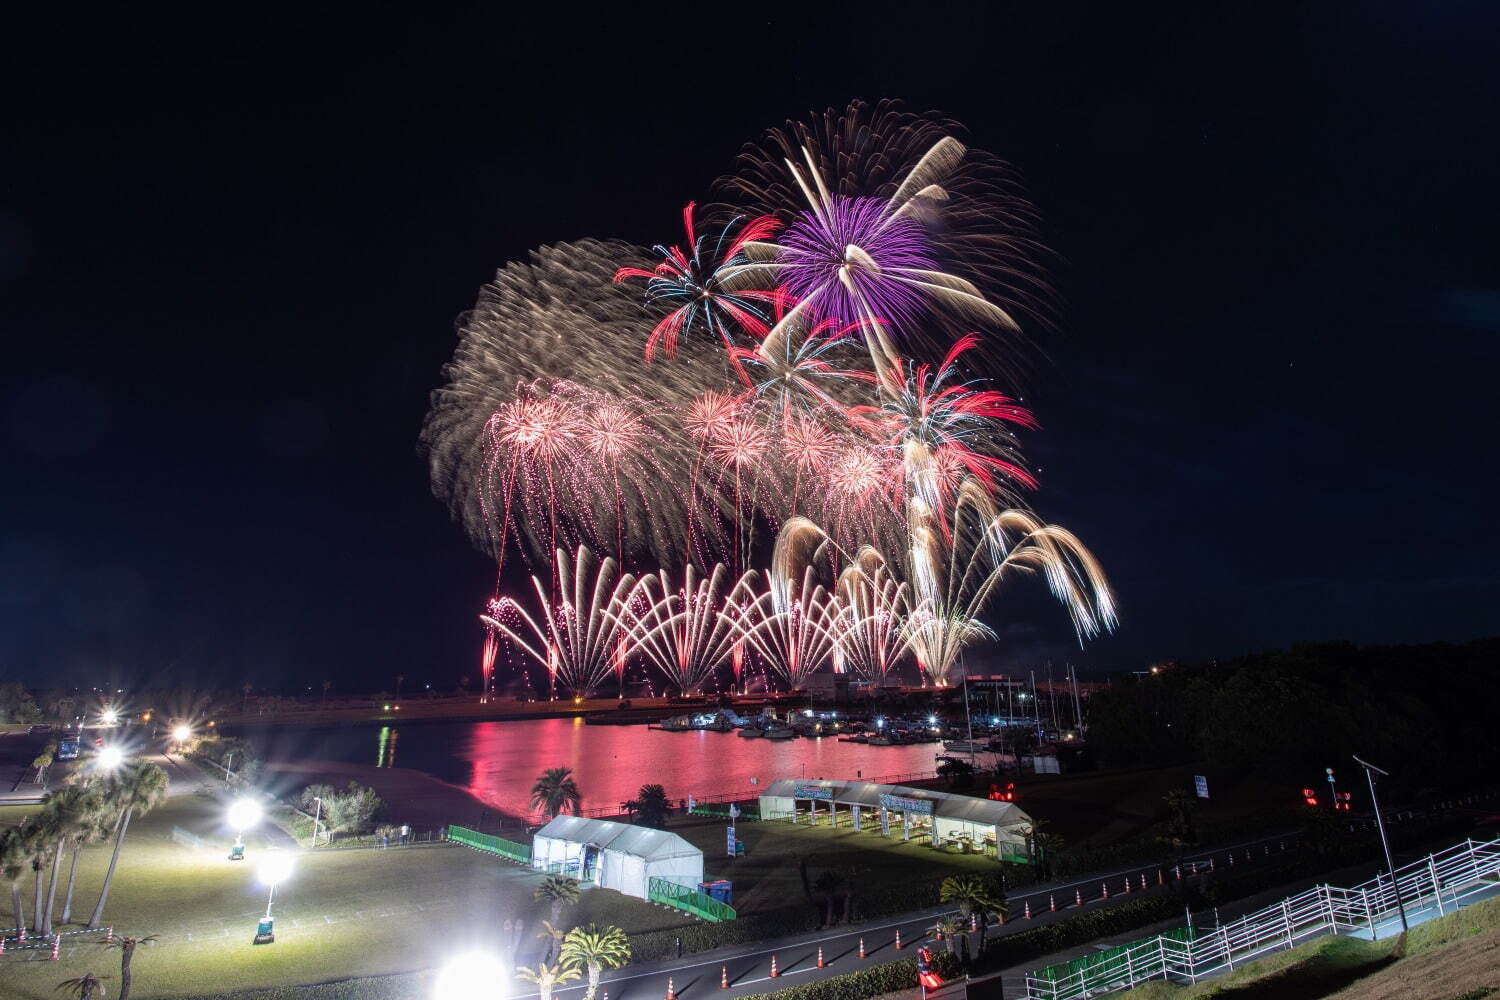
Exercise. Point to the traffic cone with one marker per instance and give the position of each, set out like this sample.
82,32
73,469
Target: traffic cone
1105,887
820,956
774,973
2,944
56,944
1161,877
109,934
1177,872
861,947
1231,859
1127,883
21,935
1051,903
973,921
1028,910
724,977
1143,881
898,939
1077,897
671,993
1210,864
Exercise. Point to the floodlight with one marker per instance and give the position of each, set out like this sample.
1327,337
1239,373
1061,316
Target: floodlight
469,975
274,868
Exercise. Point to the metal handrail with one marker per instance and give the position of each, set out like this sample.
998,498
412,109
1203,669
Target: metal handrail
1442,880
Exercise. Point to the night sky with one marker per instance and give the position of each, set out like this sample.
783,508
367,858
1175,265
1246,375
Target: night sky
232,253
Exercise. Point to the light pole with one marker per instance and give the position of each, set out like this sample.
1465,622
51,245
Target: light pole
181,734
317,814
228,760
1370,771
275,868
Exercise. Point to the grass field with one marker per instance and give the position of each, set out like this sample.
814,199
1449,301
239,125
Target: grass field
1454,956
341,914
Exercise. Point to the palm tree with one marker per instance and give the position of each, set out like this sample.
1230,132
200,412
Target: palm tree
139,790
39,834
596,949
945,930
127,952
13,860
974,896
71,811
554,937
650,807
96,827
43,761
559,891
84,986
547,976
1182,806
555,791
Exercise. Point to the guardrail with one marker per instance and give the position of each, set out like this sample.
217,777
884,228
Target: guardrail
1440,883
490,844
680,897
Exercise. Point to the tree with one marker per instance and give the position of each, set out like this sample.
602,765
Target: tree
1182,808
558,891
959,773
945,930
40,835
650,807
83,987
138,790
14,857
553,935
828,885
546,977
352,811
72,814
43,761
555,792
97,828
313,792
975,896
127,946
1043,847
595,948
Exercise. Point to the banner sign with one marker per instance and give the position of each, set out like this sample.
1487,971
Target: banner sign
905,804
812,792
731,841
1200,785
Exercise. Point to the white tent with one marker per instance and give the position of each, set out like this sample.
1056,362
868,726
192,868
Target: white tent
615,855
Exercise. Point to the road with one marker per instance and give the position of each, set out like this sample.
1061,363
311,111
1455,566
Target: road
748,968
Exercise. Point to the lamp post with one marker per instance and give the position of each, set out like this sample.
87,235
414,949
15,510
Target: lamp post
317,814
1370,771
275,868
181,734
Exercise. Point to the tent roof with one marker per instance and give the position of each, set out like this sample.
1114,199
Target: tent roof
640,841
866,794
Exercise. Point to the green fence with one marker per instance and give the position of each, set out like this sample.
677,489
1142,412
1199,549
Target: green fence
747,813
490,844
1107,962
659,890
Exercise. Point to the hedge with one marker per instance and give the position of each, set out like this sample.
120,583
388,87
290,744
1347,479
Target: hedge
888,977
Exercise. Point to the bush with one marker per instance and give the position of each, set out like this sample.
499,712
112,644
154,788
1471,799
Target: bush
1012,949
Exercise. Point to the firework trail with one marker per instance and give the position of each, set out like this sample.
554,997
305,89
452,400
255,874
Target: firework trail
871,624
792,626
682,629
573,636
690,283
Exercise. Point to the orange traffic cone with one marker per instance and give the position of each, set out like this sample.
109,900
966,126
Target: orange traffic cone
861,947
1051,903
774,973
1077,897
1028,910
1127,883
973,921
820,956
671,993
1143,881
1105,887
2,943
56,943
1161,877
898,939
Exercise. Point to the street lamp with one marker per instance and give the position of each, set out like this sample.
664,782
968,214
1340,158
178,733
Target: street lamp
469,975
182,732
109,717
273,869
317,814
245,812
1370,771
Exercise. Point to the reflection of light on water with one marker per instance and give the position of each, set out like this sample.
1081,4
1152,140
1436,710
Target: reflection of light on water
385,753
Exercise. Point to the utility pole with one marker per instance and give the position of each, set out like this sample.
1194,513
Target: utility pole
1370,771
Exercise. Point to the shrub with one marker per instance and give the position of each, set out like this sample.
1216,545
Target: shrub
872,982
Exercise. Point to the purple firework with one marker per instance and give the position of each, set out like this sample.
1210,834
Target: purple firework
853,260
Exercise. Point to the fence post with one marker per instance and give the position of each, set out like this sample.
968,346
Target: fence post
1437,887
1228,955
1286,918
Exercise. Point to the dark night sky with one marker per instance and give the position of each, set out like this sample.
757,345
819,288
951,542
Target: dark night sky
231,254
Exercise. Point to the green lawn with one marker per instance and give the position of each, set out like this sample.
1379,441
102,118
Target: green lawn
341,914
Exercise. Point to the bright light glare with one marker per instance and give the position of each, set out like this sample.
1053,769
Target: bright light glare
472,974
109,717
111,757
181,733
274,868
244,813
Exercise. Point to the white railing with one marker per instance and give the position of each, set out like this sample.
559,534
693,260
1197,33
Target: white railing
1433,886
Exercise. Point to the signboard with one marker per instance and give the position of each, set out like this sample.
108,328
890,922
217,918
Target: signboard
730,841
906,805
734,811
812,792
1200,784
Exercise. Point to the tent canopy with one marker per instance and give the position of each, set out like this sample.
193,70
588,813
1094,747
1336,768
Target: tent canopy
623,838
867,795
